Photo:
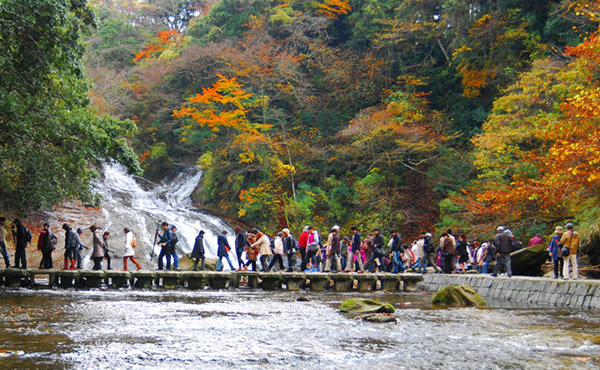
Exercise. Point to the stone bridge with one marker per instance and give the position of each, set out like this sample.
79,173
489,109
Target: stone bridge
340,282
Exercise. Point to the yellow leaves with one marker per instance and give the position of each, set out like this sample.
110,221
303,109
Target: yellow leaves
474,79
246,157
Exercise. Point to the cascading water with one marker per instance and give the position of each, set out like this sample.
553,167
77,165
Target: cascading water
139,205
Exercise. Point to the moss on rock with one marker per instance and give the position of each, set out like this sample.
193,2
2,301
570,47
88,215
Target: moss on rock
363,306
460,295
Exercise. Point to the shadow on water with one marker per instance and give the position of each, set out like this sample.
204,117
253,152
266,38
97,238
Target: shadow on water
58,329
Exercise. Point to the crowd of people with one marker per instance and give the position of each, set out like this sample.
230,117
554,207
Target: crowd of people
310,252
353,253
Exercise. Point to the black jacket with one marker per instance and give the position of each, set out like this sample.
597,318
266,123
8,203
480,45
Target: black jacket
198,251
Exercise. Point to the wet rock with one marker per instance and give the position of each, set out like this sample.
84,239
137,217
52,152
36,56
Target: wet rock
379,318
303,299
364,306
458,295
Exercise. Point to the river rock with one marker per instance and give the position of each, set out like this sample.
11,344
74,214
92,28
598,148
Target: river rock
378,318
364,306
461,295
186,263
529,261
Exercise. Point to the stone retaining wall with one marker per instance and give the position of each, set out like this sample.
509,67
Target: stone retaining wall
543,291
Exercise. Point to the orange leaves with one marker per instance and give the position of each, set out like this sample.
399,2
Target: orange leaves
474,79
158,44
332,9
539,154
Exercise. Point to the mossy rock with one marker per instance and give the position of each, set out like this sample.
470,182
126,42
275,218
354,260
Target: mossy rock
458,295
363,306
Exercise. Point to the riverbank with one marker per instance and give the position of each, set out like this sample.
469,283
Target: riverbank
538,290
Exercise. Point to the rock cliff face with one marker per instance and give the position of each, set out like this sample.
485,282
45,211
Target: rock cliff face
73,213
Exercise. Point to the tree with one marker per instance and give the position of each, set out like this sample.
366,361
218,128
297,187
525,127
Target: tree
50,138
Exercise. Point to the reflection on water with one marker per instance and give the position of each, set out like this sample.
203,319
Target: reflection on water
57,329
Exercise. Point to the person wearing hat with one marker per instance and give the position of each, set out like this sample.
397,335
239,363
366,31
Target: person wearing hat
503,244
198,251
554,249
223,249
570,239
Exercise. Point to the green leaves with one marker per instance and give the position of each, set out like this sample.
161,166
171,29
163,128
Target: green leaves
50,138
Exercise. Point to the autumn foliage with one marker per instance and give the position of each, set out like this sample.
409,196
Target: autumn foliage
539,154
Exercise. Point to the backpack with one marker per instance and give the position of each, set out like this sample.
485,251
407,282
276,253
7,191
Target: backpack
428,246
28,235
134,242
53,241
492,251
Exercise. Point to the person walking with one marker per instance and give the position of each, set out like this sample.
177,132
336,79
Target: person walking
555,252
397,251
165,242
3,243
277,253
503,244
378,252
223,249
198,251
264,248
570,239
334,250
174,248
251,251
290,246
98,247
70,247
129,252
79,248
302,243
312,250
447,252
46,243
22,237
354,250
105,247
462,252
240,243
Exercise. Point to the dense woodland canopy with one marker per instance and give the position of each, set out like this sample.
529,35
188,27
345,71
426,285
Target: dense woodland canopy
404,114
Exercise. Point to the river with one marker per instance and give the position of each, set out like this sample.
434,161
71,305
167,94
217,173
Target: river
243,329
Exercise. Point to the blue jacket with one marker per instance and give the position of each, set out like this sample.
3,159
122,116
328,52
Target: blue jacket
222,242
555,248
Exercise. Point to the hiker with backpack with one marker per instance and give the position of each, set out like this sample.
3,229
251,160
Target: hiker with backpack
313,250
71,246
130,243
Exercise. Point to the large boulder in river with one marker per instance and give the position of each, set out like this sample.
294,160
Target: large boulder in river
529,261
458,295
364,306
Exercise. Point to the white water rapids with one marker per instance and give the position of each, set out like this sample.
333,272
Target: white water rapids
139,205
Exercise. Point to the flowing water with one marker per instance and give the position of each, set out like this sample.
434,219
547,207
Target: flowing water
243,329
139,205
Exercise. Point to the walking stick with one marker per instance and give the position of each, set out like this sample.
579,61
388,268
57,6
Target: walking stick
153,244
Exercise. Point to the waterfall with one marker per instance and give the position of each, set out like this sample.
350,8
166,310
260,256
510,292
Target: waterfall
139,205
